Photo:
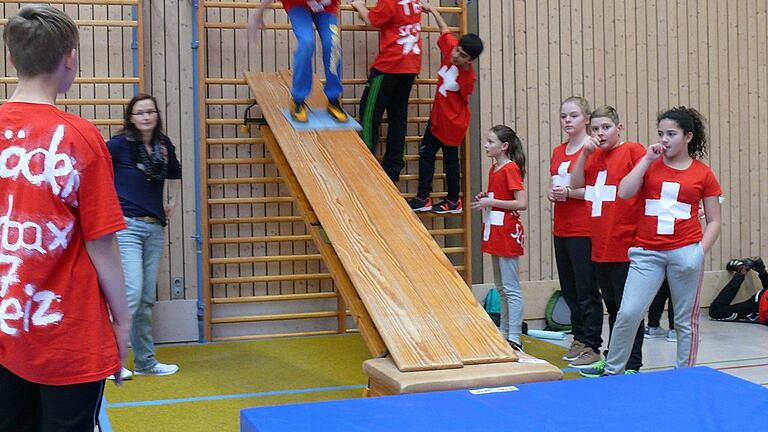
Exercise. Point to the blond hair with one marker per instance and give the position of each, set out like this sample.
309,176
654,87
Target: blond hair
608,112
580,102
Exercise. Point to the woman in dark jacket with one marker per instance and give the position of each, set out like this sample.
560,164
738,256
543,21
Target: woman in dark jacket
143,159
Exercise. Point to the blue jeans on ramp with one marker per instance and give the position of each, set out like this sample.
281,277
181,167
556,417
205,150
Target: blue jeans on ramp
302,22
141,247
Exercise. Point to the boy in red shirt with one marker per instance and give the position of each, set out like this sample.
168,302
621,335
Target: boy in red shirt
59,261
603,162
305,16
670,181
449,119
392,75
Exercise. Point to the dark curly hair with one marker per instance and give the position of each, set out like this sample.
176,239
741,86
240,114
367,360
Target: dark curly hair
689,120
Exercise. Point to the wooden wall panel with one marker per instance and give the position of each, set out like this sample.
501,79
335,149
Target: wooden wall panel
167,64
641,57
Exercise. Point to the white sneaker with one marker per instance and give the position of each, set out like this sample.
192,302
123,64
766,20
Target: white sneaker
125,375
654,332
159,369
671,336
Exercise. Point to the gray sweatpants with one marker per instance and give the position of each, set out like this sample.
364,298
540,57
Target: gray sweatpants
683,268
507,280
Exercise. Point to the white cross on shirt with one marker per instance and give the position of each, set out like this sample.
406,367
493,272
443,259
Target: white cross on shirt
518,234
414,4
668,208
409,38
450,82
562,178
600,193
491,217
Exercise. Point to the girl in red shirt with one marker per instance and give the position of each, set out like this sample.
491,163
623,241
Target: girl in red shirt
572,241
670,181
503,235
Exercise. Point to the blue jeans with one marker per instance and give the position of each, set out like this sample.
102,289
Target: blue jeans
141,246
302,21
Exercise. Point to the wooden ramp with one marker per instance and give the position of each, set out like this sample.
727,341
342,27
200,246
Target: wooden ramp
392,272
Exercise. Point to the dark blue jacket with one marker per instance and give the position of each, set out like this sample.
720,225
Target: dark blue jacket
139,196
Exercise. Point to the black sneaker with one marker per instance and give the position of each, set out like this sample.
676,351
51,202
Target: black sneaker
447,206
516,346
420,205
748,263
735,265
757,264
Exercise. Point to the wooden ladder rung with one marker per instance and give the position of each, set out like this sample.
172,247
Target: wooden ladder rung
255,220
273,278
275,335
225,141
446,232
240,161
260,239
274,298
250,200
244,180
265,259
273,317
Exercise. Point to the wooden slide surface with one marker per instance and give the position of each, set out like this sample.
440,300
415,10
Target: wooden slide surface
422,308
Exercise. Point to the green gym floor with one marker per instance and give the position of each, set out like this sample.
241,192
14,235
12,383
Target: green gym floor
217,380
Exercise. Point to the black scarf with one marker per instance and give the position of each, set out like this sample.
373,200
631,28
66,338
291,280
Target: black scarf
154,166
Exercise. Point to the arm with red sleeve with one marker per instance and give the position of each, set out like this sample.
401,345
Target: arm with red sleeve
380,15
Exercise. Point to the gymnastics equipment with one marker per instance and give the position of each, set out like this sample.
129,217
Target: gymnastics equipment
404,293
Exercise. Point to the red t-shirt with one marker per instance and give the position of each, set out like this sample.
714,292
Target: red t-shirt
315,6
572,215
57,192
502,230
450,111
670,199
400,36
613,221
762,306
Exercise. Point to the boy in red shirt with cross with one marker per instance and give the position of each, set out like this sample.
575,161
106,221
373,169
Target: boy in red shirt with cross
59,262
392,75
603,162
449,120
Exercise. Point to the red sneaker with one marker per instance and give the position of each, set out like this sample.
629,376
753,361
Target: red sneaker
420,205
448,207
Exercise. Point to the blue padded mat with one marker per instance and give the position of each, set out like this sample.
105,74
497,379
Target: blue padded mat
697,399
319,119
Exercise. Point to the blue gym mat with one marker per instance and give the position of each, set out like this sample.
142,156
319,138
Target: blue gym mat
319,119
697,399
